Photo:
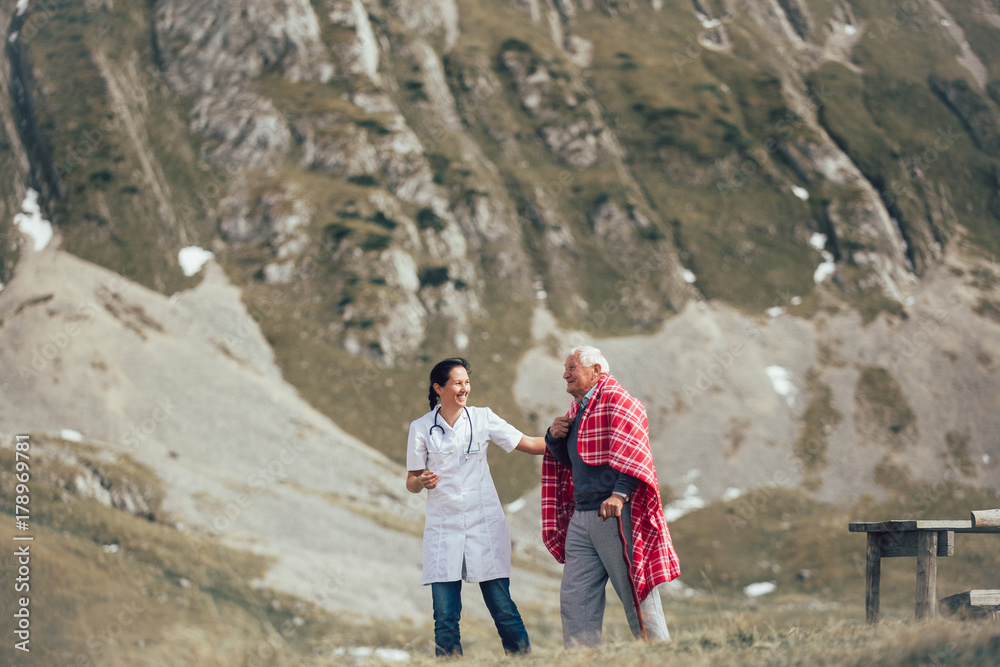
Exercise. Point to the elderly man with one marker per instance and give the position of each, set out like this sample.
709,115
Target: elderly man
598,466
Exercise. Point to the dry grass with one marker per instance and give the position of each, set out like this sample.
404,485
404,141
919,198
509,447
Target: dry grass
747,640
113,588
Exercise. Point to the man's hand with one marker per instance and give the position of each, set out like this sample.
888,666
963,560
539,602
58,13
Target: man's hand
560,427
612,507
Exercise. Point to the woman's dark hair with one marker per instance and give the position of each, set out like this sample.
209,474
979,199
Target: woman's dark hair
440,374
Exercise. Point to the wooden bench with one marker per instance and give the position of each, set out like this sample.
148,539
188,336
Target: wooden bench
923,539
972,604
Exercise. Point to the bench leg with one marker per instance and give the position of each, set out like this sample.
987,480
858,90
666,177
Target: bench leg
926,575
873,574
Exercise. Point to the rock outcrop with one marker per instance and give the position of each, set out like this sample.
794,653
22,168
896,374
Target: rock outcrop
387,183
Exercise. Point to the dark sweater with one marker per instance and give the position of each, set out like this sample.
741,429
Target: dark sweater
591,484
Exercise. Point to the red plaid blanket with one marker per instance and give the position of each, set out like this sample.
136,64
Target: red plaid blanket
613,431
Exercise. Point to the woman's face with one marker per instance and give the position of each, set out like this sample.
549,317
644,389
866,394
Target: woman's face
456,390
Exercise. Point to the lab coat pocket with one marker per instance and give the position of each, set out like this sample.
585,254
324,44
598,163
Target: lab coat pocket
478,447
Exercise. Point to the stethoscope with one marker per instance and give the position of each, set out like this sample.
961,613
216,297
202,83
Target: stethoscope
441,428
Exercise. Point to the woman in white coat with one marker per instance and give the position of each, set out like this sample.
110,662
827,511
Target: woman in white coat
465,532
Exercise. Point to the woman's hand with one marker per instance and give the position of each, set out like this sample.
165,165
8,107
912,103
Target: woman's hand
418,480
428,479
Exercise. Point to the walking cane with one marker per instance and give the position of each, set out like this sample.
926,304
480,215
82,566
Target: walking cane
631,581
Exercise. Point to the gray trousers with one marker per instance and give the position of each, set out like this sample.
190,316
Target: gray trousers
594,555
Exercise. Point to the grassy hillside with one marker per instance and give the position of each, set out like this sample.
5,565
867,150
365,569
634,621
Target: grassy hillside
117,587
128,587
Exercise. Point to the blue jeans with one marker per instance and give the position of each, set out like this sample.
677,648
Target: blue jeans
447,598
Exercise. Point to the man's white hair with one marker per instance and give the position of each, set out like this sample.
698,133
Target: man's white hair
590,356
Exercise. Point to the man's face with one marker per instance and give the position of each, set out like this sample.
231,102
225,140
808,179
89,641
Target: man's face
580,378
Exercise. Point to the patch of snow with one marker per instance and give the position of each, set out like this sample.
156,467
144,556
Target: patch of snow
192,258
461,340
352,346
775,311
986,458
367,41
689,276
516,506
732,493
781,380
800,192
13,36
850,30
71,435
680,587
760,588
110,548
827,267
31,222
824,270
22,6
689,502
796,300
367,652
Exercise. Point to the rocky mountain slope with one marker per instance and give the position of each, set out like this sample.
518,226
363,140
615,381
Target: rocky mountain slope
391,183
186,387
781,218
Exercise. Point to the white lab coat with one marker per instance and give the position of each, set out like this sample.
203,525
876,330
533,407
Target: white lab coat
465,532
